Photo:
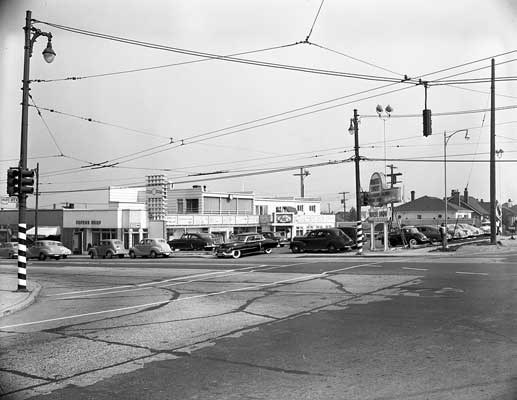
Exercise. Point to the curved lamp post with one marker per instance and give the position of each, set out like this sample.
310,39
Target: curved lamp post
31,34
446,139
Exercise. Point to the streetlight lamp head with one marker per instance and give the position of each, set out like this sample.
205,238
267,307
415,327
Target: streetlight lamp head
49,54
379,109
351,129
389,110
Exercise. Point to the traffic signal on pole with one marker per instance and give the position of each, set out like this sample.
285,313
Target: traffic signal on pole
428,130
13,181
365,198
27,181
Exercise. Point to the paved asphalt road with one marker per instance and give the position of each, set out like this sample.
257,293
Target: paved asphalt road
274,326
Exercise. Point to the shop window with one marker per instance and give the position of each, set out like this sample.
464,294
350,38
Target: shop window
299,207
180,206
279,209
192,206
419,216
312,208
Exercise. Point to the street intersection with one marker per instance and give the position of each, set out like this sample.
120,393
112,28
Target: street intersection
277,326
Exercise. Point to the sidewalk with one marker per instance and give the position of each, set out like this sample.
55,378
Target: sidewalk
10,299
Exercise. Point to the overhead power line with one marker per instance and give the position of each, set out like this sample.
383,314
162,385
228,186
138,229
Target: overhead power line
314,22
226,58
156,67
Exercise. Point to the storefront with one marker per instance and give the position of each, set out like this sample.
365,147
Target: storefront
85,228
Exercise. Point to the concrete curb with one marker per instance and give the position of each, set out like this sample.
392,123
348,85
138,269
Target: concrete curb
24,302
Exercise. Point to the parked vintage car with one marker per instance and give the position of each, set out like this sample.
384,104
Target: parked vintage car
43,249
150,247
408,234
108,248
278,236
433,232
456,231
246,243
194,241
471,231
351,232
330,239
273,236
485,227
9,249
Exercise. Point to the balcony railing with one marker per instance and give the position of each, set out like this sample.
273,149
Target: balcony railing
211,220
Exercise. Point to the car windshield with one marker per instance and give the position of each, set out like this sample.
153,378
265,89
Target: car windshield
411,230
161,240
117,242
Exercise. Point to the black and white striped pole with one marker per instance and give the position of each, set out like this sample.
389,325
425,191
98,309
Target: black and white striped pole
354,130
31,34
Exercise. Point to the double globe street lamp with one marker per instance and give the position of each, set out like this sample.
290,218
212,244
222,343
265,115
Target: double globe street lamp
387,114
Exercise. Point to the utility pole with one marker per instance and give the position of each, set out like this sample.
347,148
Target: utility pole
393,182
354,129
493,233
343,201
303,173
31,34
37,204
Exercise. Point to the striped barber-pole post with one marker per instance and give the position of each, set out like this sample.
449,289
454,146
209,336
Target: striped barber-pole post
359,229
22,257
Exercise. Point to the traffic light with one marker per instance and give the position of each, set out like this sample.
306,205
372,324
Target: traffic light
13,181
428,130
365,198
27,181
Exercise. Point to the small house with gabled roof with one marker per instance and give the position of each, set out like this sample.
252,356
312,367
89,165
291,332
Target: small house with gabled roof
428,210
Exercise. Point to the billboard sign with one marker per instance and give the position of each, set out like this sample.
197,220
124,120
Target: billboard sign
284,218
380,194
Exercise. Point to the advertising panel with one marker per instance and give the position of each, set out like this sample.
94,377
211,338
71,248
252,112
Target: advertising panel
380,194
284,218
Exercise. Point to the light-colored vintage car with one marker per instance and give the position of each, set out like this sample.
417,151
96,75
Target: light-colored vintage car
150,247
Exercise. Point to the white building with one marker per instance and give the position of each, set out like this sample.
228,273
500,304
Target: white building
292,216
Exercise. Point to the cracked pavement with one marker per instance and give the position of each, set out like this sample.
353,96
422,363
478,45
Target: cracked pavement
190,316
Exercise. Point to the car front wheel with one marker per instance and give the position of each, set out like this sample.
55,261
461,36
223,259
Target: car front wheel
412,242
153,254
296,249
236,253
92,255
331,248
132,254
268,250
109,254
42,257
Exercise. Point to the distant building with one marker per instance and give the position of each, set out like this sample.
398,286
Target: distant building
430,211
480,210
160,210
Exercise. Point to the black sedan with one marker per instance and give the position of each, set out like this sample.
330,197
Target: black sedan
331,240
408,234
246,243
194,241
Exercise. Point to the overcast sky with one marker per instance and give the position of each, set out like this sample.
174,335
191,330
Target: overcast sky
157,106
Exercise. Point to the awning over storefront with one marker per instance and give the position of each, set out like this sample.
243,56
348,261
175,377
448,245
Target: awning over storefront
44,231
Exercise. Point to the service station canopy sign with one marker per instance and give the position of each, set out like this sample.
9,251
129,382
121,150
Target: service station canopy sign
380,194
